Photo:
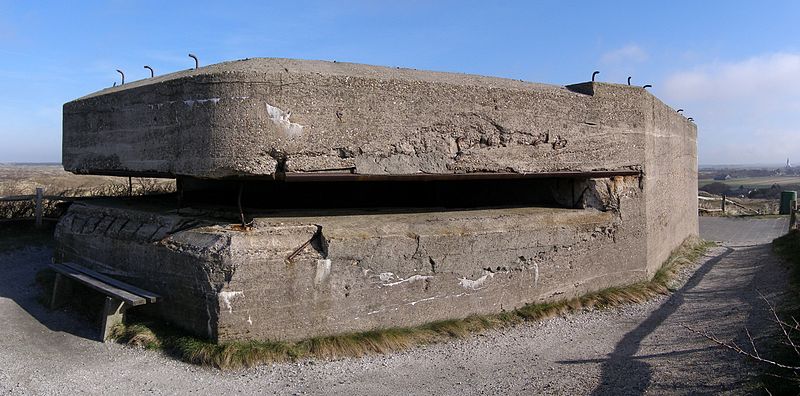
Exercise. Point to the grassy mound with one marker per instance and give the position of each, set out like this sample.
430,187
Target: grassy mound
237,354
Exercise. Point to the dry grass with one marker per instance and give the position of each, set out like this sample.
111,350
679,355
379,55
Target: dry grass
776,379
23,180
232,355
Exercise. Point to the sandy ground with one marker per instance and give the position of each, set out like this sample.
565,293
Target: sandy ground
630,350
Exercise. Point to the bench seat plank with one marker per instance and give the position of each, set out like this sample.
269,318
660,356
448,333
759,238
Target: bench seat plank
98,285
149,296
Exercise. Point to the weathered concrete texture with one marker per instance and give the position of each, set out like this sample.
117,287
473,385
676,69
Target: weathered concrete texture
359,272
259,117
270,118
670,181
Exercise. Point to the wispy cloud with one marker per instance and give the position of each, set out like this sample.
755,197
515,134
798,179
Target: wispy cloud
748,110
626,54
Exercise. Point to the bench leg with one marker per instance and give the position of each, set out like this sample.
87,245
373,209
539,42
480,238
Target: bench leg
62,289
113,314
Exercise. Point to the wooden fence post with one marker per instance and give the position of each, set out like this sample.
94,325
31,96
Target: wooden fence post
39,196
723,203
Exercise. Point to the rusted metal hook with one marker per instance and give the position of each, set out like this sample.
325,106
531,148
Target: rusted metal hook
196,62
123,76
151,70
594,74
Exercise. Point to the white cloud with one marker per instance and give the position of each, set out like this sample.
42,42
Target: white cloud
748,111
627,54
762,76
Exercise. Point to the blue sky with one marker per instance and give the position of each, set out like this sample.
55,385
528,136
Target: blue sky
734,67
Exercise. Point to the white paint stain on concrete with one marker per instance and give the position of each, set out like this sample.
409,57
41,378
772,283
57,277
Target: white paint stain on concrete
191,103
227,296
281,119
323,271
385,276
413,303
409,279
535,274
249,321
476,284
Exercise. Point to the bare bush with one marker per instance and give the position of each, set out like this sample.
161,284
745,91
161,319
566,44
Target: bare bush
23,180
788,366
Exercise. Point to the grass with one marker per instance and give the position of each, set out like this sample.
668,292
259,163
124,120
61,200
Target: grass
780,381
231,355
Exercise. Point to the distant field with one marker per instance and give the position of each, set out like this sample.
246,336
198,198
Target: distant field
23,180
751,182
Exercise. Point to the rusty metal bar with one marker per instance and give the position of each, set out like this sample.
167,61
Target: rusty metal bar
349,176
314,177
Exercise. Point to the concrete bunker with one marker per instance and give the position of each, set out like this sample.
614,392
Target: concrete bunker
374,197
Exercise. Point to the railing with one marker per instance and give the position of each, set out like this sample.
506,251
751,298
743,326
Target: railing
723,205
38,200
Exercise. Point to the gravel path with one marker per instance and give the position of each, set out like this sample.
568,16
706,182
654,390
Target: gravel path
628,350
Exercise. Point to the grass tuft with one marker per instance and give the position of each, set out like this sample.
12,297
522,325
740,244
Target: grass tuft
238,354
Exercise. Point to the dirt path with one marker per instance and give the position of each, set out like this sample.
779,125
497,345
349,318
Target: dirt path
623,351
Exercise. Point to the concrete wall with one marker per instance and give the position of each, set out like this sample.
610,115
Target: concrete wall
261,116
365,271
670,181
361,271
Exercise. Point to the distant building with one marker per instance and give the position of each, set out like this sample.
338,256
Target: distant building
722,177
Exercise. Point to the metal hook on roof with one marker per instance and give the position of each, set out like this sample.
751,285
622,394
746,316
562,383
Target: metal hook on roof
629,80
196,62
647,86
123,76
690,119
680,110
594,74
151,70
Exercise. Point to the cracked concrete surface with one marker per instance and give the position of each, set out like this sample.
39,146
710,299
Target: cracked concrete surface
259,117
299,275
625,351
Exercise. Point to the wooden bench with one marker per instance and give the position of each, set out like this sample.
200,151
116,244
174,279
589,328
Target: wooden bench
119,295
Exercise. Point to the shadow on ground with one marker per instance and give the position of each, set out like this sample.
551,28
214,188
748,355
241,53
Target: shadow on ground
730,287
24,252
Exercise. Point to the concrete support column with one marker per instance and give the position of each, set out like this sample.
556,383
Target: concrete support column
62,288
113,314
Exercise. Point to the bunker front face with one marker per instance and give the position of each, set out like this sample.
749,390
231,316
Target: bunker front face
373,197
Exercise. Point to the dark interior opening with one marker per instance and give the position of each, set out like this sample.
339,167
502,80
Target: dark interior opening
558,192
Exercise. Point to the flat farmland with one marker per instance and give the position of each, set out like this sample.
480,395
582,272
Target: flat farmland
752,182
